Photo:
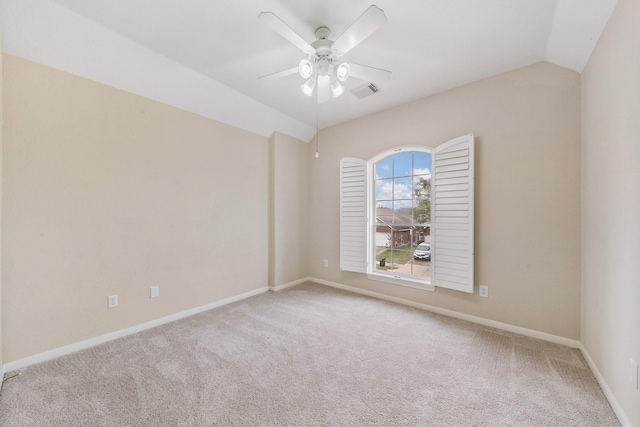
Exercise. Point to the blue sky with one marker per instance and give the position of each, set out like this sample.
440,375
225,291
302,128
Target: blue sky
394,174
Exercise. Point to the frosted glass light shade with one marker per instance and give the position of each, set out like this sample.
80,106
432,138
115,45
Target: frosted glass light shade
305,68
343,71
307,87
336,89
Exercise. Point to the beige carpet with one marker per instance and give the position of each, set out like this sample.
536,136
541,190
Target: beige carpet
312,356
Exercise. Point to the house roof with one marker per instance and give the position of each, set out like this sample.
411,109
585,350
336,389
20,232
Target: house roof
388,216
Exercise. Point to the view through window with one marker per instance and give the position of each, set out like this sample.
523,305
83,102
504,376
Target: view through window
402,235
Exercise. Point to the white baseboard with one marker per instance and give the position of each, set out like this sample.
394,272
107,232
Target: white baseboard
288,285
92,342
615,405
457,315
82,345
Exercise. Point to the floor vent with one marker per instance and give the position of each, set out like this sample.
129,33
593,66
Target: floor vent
366,90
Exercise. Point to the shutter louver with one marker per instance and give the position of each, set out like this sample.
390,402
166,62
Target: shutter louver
353,215
452,214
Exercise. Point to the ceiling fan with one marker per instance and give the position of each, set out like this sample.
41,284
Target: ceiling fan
322,68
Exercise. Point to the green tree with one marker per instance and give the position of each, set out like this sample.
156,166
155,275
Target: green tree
422,210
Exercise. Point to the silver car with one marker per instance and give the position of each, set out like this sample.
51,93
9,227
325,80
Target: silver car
423,251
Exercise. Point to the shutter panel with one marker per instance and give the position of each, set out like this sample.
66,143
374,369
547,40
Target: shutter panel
452,214
353,215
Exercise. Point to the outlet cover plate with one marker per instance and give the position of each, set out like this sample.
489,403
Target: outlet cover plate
155,291
112,301
484,291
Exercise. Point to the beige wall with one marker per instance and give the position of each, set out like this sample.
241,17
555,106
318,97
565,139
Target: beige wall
527,230
289,200
610,326
1,150
108,193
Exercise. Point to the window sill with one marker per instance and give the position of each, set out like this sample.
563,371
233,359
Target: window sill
402,281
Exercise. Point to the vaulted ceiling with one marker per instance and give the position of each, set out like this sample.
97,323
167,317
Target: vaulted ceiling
222,47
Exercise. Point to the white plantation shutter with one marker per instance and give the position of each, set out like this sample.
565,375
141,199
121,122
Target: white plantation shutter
353,215
452,214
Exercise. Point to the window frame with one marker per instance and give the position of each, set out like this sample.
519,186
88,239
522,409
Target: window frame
372,272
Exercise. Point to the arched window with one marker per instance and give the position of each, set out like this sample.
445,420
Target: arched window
406,215
401,208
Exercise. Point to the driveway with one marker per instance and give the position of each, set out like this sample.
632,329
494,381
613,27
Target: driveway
419,268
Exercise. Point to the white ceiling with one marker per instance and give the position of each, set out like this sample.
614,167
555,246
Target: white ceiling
429,45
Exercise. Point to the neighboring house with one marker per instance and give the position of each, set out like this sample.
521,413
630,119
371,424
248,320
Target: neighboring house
385,228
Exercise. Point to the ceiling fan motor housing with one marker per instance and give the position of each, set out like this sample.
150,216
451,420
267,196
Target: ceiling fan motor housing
323,33
324,56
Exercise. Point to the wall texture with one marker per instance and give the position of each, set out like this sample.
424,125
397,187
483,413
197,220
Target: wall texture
106,193
527,231
289,216
610,325
1,150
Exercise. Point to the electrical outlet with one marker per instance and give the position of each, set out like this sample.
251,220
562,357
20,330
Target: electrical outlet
155,291
484,291
326,263
633,373
113,301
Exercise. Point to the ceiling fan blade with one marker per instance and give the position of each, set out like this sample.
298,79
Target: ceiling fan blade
324,89
285,31
283,73
370,74
371,20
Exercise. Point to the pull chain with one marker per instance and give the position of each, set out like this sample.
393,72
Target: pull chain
317,130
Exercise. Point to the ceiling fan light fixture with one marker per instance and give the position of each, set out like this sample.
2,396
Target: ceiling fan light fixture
305,68
343,71
336,88
307,87
321,67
